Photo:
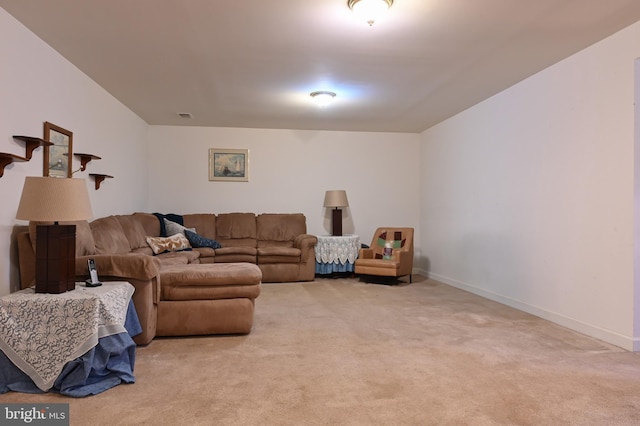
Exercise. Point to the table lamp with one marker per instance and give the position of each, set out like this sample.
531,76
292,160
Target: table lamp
336,199
50,199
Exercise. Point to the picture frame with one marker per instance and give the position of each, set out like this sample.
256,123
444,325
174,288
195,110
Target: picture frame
230,165
57,157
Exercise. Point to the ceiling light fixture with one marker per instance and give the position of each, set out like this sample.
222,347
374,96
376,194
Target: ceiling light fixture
322,97
369,10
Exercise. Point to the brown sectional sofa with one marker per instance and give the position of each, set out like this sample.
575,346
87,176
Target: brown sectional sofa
197,291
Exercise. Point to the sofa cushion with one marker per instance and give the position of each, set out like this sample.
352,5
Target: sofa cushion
109,236
177,257
163,261
204,223
175,242
276,254
207,255
210,281
199,241
234,254
85,244
149,222
236,226
133,230
280,226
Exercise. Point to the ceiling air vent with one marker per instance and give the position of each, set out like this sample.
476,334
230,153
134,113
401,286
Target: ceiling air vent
185,115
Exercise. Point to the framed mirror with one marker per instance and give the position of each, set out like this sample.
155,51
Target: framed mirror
57,157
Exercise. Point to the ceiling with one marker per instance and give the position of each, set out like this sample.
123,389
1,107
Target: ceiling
253,63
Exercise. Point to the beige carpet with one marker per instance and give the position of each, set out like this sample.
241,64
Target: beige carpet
344,352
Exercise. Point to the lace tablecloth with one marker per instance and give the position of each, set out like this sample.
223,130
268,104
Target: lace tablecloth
40,332
336,254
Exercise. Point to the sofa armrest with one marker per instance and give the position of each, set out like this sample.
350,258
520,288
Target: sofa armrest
142,272
133,266
306,243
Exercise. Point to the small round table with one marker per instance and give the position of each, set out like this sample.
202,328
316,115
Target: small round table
336,254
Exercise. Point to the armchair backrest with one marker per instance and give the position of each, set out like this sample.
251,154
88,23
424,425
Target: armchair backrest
387,240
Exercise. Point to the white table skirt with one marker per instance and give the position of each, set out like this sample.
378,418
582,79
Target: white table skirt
41,332
336,254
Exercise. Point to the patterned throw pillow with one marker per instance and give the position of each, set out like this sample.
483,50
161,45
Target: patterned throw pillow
389,245
173,228
200,241
175,242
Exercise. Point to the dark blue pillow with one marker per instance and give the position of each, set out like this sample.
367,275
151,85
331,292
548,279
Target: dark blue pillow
199,241
172,217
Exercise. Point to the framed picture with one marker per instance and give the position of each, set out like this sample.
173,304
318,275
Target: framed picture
229,164
57,157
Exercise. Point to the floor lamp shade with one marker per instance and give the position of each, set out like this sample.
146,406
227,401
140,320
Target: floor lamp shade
336,199
48,199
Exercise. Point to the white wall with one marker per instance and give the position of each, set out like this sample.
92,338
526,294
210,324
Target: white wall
636,209
528,197
38,85
289,171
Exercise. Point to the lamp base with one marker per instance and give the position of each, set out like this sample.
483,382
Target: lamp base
55,258
336,219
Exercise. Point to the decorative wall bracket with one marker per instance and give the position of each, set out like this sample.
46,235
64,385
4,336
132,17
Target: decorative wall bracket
6,159
31,143
99,178
84,159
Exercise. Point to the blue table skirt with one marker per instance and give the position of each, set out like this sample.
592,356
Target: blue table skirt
329,268
106,365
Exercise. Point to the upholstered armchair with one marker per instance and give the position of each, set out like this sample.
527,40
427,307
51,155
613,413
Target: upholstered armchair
390,254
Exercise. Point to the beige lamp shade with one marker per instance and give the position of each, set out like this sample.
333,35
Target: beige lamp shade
49,199
336,198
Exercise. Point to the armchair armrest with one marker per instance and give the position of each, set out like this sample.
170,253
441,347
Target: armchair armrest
400,255
405,261
365,253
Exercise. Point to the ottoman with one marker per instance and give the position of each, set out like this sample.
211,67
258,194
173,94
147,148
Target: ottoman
210,298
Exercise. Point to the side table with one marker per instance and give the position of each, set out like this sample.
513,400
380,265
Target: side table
40,333
336,254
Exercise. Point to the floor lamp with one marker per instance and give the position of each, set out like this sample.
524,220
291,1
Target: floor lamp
336,199
49,199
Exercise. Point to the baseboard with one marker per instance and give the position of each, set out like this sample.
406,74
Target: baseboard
624,342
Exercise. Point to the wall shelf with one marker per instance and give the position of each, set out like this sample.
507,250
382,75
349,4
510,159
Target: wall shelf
6,159
84,159
32,143
99,178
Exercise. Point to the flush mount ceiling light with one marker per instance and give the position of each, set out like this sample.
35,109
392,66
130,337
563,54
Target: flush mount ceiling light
322,97
369,10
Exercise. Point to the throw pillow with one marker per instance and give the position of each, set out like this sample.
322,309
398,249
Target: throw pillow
200,241
387,246
172,217
173,228
175,242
